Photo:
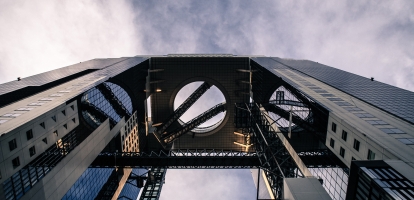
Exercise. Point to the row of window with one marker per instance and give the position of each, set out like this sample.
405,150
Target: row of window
29,135
371,154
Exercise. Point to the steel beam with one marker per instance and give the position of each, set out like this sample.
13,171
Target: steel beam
97,112
321,158
288,102
187,159
113,100
275,159
183,107
285,114
171,136
153,186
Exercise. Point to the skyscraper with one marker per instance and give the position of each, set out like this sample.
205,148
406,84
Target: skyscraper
83,131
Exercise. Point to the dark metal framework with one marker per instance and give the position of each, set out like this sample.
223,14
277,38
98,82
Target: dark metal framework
184,107
153,186
274,158
180,159
210,113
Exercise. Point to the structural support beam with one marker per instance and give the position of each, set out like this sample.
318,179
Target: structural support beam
321,158
153,186
276,160
97,112
187,159
286,114
184,107
288,102
113,100
171,136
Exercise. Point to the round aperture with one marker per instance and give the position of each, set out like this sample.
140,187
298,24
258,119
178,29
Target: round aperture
99,103
211,98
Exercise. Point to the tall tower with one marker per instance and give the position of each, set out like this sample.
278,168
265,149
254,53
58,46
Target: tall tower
110,128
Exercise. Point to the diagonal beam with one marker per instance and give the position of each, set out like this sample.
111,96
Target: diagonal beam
184,106
285,114
97,112
113,100
171,136
288,102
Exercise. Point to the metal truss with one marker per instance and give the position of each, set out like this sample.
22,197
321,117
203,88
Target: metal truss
184,107
322,158
180,159
153,186
113,100
275,159
109,188
98,113
288,102
171,136
285,114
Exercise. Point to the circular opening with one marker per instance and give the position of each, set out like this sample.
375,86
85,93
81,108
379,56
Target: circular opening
97,107
283,94
209,99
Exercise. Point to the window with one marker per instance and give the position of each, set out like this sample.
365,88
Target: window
344,135
36,104
56,133
64,112
353,158
65,125
16,162
342,152
32,151
73,107
371,155
3,121
25,109
12,144
332,143
11,115
42,125
29,134
54,118
44,140
334,127
74,120
356,144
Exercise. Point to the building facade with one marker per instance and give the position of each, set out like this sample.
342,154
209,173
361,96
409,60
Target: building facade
83,131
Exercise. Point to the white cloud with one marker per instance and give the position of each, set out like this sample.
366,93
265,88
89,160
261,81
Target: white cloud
208,184
44,35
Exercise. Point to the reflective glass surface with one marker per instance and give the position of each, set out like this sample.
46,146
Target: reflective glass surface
396,101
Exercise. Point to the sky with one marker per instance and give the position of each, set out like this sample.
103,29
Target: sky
369,38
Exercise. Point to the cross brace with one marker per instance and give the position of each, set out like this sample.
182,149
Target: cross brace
113,100
275,159
285,114
184,107
171,136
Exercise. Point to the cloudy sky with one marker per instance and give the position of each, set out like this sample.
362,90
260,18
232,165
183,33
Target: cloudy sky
368,38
